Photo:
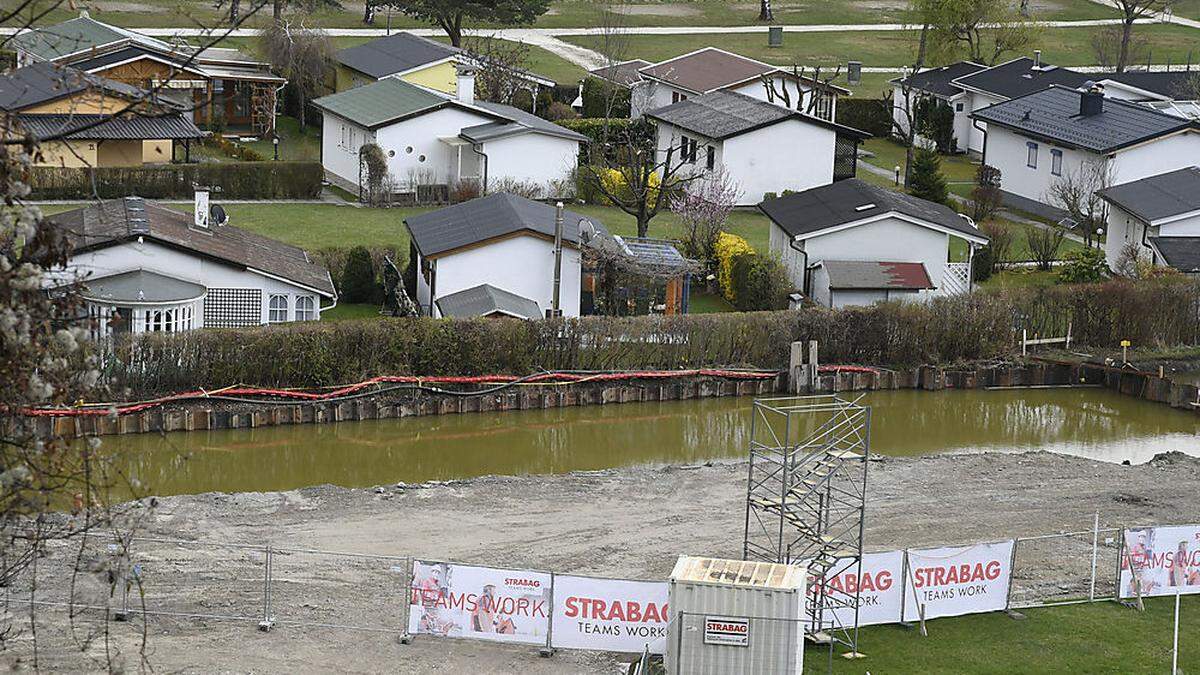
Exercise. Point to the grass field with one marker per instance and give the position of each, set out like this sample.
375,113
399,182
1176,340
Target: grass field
1099,638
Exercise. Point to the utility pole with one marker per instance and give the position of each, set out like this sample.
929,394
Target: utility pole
558,233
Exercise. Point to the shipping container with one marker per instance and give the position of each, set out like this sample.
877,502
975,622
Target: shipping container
735,616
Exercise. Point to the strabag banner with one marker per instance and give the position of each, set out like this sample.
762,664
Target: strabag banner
958,580
1161,561
479,602
609,614
880,594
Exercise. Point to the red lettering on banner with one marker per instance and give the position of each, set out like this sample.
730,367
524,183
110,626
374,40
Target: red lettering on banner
957,574
605,610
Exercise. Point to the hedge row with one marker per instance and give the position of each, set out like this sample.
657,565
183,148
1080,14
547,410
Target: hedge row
871,115
944,331
236,180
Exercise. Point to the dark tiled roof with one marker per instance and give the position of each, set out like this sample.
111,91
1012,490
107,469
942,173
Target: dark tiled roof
1182,253
167,127
707,70
487,300
1019,77
850,200
1053,114
723,114
1168,194
938,80
141,286
874,275
486,218
116,221
42,82
624,73
521,121
1170,84
394,54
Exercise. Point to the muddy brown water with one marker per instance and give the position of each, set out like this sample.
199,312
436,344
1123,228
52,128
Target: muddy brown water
1093,423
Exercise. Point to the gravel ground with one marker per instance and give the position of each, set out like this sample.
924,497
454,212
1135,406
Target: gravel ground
629,523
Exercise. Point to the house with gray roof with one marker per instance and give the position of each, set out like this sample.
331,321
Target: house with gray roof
754,144
854,243
1155,218
1062,135
498,249
143,267
937,84
435,141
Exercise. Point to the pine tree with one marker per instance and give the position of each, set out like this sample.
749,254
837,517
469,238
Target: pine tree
926,180
358,278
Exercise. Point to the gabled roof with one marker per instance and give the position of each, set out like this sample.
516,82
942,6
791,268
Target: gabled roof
1165,84
521,123
1053,115
624,73
114,222
479,220
939,81
43,82
106,127
709,69
809,213
393,54
876,275
1163,196
1182,253
77,36
379,103
1020,77
487,300
723,114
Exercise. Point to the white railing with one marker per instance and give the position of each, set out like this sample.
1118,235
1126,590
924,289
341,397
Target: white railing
956,280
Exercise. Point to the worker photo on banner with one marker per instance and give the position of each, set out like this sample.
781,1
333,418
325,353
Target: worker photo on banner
1160,561
479,602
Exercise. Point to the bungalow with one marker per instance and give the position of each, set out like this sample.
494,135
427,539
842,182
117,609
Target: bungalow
417,60
1058,133
760,146
496,255
216,84
937,84
853,243
709,70
1156,217
434,140
149,268
94,121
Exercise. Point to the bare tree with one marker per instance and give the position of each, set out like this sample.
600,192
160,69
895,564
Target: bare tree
1044,242
703,212
1131,11
1109,41
501,68
301,55
1077,193
984,29
819,90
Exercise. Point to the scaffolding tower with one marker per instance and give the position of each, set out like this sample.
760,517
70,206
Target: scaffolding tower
805,501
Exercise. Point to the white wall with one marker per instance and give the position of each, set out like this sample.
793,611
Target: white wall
1124,229
887,240
1159,156
650,94
793,260
977,101
341,140
523,265
170,262
421,134
545,161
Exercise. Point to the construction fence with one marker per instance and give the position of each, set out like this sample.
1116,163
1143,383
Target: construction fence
271,586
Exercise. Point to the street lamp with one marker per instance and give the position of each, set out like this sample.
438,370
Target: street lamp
897,169
275,142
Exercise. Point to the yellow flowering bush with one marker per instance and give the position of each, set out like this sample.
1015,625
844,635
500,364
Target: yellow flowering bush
728,247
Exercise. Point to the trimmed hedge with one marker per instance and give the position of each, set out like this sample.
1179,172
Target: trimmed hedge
237,180
979,326
593,127
871,115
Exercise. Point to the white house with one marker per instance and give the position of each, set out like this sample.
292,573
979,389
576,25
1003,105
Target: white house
853,243
433,139
936,83
148,268
1061,134
761,147
497,250
654,85
1159,217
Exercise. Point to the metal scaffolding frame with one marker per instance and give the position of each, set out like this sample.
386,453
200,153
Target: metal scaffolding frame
805,500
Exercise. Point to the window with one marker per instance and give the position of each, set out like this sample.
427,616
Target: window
1056,162
958,107
1031,158
676,97
304,308
712,158
278,310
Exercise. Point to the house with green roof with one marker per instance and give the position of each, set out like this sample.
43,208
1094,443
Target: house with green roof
435,141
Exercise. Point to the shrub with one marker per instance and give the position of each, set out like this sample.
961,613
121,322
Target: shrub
1044,243
236,180
373,161
1083,266
558,110
465,190
985,196
935,121
728,247
759,282
604,99
595,127
359,284
926,180
871,115
999,246
983,265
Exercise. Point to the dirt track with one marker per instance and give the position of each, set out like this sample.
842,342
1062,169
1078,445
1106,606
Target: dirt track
628,523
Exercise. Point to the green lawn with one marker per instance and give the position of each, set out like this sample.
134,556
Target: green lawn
1061,46
701,302
1012,278
1097,638
348,312
294,144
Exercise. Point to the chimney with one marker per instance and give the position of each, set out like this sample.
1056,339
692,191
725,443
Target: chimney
201,208
1037,59
466,83
1091,99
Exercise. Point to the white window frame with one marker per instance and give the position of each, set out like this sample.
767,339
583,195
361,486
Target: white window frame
271,309
308,313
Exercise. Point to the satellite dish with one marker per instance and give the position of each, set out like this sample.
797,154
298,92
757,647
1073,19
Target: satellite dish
217,215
